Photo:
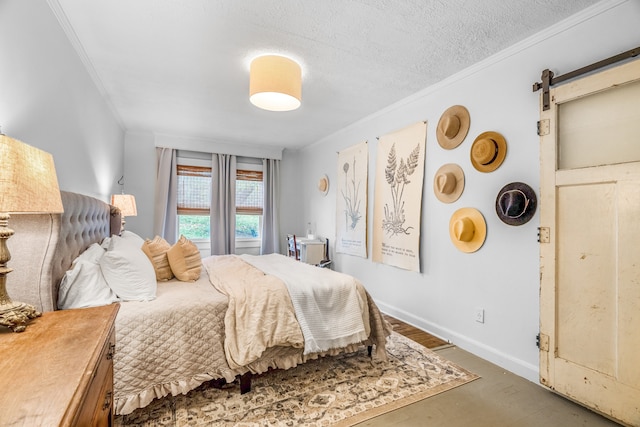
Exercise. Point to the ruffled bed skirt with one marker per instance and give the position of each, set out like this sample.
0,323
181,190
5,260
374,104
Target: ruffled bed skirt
127,404
274,358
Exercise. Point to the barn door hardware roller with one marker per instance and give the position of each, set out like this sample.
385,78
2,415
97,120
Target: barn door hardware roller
548,79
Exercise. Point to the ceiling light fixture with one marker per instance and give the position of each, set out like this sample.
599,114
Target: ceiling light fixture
275,83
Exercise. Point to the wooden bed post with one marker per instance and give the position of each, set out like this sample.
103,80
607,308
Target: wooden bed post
245,382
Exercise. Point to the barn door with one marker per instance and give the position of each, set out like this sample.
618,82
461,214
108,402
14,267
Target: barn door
590,242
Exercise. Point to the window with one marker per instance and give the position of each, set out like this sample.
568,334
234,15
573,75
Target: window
249,199
194,202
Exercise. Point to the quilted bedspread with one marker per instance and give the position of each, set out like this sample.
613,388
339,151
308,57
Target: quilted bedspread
169,345
174,343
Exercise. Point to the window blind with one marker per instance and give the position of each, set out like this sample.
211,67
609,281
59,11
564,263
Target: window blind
249,192
194,190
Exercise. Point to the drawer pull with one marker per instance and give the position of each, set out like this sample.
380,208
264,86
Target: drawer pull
107,400
112,351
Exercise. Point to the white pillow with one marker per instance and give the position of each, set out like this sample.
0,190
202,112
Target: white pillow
105,243
92,254
128,271
133,238
84,285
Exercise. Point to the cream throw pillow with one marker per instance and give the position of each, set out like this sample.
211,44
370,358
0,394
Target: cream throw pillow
156,250
184,259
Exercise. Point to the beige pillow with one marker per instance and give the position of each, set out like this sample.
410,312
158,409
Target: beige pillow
185,261
156,251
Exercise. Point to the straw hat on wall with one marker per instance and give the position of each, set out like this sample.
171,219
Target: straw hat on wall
467,229
448,183
488,151
453,127
323,185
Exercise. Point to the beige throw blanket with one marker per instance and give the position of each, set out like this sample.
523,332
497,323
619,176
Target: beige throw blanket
260,317
329,305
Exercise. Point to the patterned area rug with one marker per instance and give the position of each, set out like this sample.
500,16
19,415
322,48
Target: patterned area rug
333,391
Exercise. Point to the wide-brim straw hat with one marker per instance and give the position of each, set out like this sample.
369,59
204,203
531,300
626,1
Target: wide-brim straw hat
448,183
323,185
467,229
453,127
516,203
488,151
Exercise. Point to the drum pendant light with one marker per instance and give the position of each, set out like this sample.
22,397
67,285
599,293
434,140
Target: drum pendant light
275,83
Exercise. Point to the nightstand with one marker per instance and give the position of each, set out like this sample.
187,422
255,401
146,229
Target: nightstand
59,371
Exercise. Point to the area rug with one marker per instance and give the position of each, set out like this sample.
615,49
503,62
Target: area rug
333,391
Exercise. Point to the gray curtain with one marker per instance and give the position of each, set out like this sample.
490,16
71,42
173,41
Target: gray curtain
165,218
271,207
223,204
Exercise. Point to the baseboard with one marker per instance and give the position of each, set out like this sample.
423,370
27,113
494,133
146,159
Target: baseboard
493,355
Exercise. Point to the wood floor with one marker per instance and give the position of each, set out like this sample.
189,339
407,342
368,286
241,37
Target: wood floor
415,334
498,399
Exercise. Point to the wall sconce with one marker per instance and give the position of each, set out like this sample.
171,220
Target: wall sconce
275,83
125,202
28,184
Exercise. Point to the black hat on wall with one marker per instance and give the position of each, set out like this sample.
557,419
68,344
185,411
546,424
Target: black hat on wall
516,203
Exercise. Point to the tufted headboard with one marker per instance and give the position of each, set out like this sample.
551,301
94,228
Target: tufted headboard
44,246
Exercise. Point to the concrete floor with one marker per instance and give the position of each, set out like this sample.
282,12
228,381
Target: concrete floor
498,399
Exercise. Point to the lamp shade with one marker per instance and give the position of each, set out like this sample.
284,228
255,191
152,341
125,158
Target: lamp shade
126,203
28,181
275,83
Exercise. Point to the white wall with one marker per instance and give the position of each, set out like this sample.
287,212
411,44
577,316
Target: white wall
502,277
48,100
292,196
139,180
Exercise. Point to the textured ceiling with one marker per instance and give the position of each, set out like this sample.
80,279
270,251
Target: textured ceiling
180,67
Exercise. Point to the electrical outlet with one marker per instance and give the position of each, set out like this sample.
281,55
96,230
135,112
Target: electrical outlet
480,315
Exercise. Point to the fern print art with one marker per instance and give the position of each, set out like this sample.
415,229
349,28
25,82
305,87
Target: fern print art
397,210
397,176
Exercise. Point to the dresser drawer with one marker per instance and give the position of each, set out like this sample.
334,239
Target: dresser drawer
97,408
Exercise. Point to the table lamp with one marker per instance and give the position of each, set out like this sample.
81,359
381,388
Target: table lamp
127,205
28,184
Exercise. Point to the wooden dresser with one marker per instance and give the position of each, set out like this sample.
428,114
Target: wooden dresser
59,371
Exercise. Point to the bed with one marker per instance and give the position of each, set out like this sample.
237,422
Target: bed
190,332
